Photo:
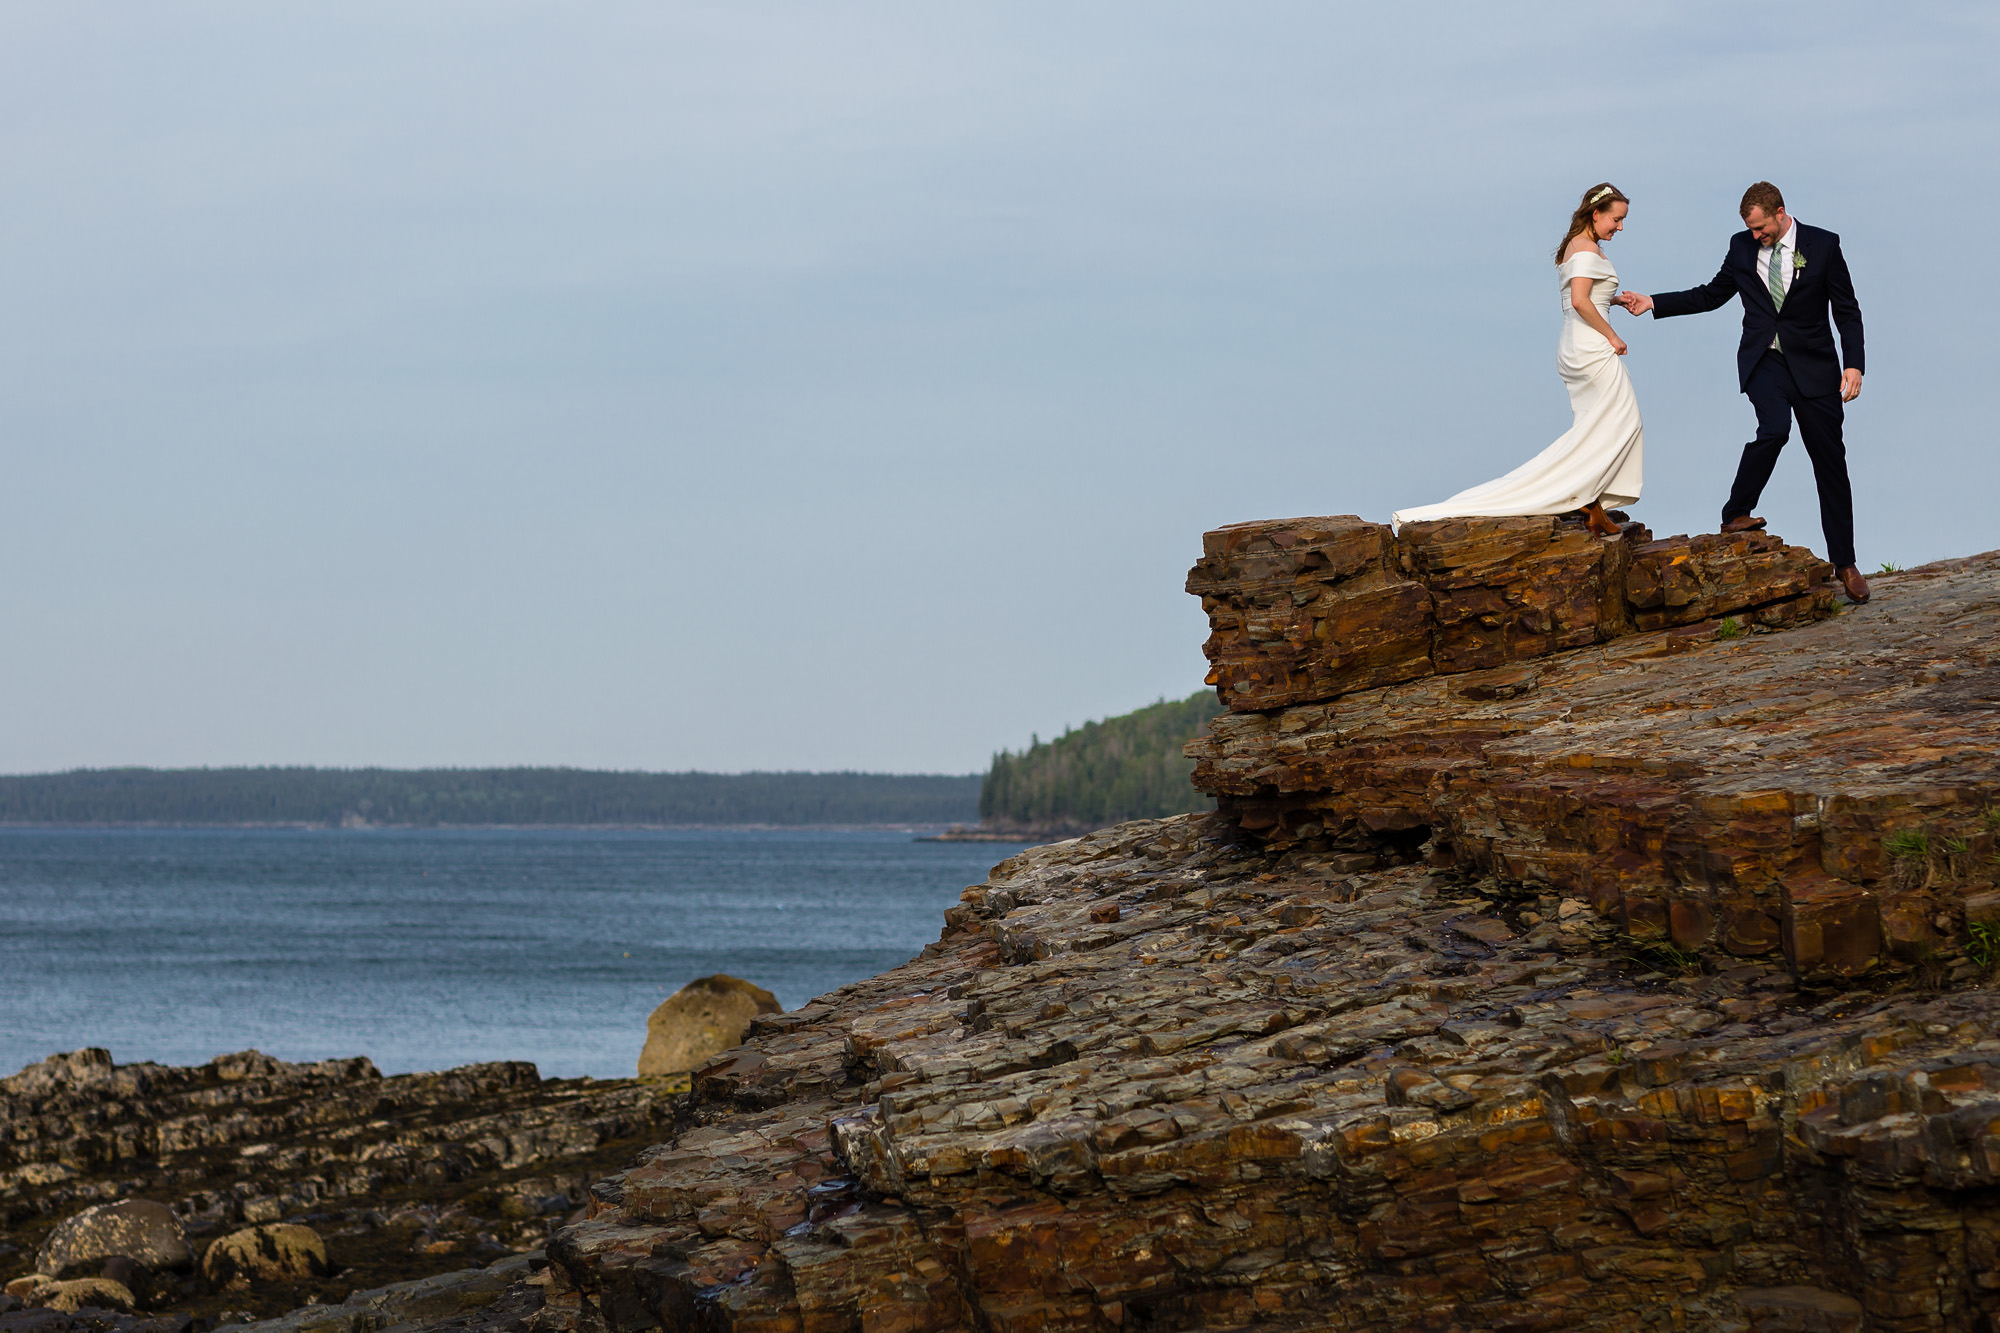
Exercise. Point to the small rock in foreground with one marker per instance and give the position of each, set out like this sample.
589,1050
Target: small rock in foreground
276,1252
145,1232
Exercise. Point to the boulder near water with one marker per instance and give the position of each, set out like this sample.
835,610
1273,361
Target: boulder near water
701,1020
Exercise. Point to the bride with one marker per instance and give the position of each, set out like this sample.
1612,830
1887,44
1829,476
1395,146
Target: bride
1597,462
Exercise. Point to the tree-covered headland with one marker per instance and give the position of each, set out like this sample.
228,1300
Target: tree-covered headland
1125,767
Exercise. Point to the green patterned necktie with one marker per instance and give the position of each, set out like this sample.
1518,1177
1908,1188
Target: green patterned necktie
1777,285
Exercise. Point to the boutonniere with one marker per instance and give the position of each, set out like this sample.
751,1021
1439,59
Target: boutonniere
1798,261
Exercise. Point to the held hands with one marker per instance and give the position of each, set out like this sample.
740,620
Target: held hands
1850,385
1636,303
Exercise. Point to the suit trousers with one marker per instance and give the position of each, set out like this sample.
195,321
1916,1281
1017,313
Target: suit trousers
1776,398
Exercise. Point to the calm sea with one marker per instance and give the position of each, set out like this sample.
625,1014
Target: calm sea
425,949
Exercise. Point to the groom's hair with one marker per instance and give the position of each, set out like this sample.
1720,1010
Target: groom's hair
1762,195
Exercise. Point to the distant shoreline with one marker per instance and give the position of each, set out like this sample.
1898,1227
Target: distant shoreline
1031,836
483,798
923,832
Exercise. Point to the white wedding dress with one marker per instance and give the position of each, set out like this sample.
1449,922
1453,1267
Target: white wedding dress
1600,457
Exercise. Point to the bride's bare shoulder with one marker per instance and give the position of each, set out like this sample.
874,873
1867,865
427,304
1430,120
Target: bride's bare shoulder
1581,245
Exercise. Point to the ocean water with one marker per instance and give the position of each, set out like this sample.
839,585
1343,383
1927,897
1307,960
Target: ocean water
424,949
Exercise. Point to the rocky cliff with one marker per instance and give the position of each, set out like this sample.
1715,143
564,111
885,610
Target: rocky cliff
1592,934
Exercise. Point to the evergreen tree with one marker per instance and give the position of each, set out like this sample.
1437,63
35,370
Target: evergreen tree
1126,767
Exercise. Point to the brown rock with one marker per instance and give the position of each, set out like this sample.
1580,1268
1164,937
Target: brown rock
275,1252
1801,1310
700,1021
1736,794
1278,1093
1306,608
1751,575
1486,1027
1506,589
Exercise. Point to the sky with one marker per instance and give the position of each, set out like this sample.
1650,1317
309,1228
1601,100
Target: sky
797,386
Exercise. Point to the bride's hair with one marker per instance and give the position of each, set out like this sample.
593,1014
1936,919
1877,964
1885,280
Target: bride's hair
1595,200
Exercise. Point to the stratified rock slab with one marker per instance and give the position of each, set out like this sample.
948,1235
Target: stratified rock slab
1750,575
1485,1029
1735,793
1158,1078
1306,610
1506,589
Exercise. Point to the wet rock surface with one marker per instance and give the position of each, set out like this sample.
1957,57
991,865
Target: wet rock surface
1568,974
296,1182
1272,1091
1561,956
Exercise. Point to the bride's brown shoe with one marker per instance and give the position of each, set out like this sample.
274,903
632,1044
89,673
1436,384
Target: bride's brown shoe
1599,521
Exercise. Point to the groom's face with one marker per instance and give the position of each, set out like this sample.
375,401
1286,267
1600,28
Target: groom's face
1768,228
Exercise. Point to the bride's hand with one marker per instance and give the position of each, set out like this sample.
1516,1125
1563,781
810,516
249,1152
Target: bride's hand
1617,344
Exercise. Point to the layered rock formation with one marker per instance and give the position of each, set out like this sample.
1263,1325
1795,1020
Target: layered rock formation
1303,610
1749,797
1566,953
1159,1079
399,1177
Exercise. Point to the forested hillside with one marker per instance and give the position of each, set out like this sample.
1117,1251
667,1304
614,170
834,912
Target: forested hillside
1126,767
472,796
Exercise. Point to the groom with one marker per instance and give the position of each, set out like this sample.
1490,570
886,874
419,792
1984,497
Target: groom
1790,277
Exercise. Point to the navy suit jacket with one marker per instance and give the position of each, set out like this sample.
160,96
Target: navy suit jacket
1823,286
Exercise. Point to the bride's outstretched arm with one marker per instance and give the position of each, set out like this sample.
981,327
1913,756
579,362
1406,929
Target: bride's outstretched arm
1587,311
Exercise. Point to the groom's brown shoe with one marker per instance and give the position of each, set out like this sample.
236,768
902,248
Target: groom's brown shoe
1743,523
1857,587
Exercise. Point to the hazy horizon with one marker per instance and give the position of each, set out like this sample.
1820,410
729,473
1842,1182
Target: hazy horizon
454,768
700,388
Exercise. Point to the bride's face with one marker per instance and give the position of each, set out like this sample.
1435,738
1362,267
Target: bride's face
1610,221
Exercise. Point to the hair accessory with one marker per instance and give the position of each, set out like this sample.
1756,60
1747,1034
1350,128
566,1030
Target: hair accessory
1600,194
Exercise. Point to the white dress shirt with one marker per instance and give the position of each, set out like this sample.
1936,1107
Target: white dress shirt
1781,255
